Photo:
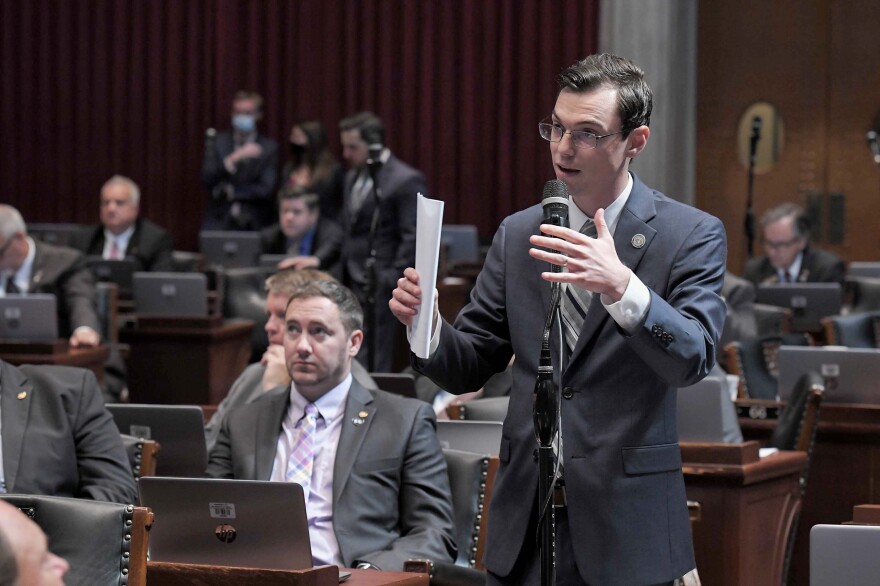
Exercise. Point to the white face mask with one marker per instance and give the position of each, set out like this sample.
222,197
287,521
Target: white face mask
244,122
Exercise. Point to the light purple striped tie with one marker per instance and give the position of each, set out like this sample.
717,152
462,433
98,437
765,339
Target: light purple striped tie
302,453
576,301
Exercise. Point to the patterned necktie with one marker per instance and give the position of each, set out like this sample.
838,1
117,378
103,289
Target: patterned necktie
576,301
302,453
114,251
360,191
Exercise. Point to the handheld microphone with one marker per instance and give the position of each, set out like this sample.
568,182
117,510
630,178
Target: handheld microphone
871,137
555,201
756,129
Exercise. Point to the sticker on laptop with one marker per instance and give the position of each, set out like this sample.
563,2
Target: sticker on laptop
222,510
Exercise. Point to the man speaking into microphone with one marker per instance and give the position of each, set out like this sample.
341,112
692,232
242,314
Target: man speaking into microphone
641,316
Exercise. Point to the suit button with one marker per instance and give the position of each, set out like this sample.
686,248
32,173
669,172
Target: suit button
567,393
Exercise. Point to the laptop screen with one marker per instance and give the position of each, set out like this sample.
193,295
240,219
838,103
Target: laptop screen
28,318
230,249
481,437
705,413
850,374
179,429
808,302
218,522
171,294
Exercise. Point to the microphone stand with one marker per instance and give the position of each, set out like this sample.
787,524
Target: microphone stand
750,212
546,420
371,284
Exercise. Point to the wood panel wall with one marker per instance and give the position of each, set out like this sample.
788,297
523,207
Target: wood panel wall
817,62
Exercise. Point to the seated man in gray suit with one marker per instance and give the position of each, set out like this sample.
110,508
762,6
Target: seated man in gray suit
271,370
377,493
57,437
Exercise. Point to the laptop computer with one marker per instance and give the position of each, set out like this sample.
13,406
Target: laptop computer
120,272
230,249
179,429
482,437
863,269
239,523
170,294
850,374
28,318
809,302
844,554
706,414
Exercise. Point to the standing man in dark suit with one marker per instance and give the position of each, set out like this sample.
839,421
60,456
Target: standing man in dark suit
122,233
57,437
789,257
395,238
240,171
370,463
309,240
648,285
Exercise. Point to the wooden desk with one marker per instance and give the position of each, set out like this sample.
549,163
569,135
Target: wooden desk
185,360
747,505
844,472
59,352
169,574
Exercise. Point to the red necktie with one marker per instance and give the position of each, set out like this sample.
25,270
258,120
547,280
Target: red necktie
114,251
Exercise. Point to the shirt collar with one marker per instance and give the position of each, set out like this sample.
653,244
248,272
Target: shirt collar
122,238
577,217
22,277
794,270
330,405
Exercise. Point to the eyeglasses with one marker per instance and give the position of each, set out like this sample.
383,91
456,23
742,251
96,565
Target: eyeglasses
772,245
581,139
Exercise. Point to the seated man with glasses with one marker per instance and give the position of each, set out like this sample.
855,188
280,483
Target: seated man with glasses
785,232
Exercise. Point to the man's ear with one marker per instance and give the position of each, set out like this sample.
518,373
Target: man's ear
637,140
354,342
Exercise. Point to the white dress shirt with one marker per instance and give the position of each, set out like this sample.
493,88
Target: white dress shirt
121,240
22,278
325,548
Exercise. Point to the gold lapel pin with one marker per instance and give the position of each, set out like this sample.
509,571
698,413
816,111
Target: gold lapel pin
363,414
21,395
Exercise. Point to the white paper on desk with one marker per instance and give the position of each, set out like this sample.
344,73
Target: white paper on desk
429,222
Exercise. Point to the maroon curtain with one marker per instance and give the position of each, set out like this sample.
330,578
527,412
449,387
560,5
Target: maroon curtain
91,88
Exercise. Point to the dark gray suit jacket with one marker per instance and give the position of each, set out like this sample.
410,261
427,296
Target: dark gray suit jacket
327,244
818,266
391,498
58,439
626,500
62,272
150,246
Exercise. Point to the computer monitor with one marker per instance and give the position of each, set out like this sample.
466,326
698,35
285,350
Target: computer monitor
230,249
851,374
171,294
29,318
808,302
179,429
706,414
844,554
239,523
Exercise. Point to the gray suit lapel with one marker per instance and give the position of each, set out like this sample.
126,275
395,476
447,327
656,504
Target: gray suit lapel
266,431
632,230
352,436
14,419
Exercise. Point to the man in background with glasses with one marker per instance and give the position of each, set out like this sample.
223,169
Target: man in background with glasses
641,316
789,257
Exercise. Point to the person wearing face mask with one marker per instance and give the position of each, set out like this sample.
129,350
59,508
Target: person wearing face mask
313,167
240,171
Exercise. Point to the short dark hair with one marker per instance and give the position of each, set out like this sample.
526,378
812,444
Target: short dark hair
799,219
289,192
634,97
350,311
249,95
370,126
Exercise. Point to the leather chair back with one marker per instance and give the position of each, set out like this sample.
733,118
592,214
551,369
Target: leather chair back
470,479
244,296
857,330
142,455
104,543
754,361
